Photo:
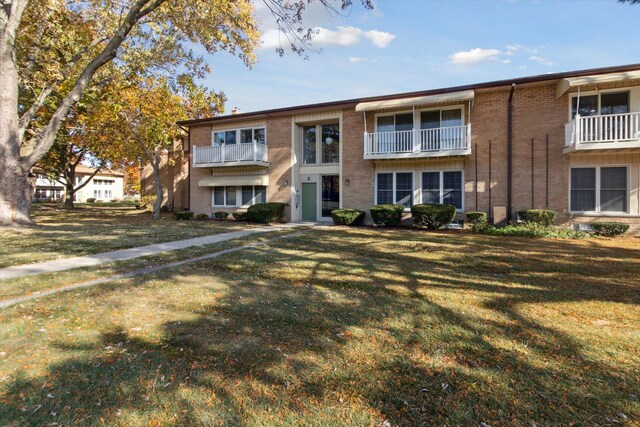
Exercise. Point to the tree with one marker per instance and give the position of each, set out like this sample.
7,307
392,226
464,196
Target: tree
146,113
52,50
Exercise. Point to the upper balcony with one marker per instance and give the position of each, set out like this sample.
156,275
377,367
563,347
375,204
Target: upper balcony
602,132
418,143
240,154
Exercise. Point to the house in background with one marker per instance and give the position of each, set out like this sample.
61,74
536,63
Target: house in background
105,186
569,142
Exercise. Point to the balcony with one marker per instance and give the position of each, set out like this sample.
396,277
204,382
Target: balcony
418,143
603,132
243,154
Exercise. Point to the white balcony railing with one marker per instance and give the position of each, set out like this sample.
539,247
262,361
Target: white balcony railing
224,155
609,130
446,141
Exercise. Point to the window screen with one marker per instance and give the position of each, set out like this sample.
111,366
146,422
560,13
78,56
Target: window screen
385,188
613,189
452,189
583,189
404,189
431,187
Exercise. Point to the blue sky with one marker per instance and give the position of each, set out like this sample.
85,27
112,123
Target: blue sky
405,46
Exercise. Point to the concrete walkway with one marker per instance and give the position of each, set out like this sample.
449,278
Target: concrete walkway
139,272
53,266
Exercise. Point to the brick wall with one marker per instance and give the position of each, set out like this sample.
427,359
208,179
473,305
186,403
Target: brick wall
279,141
359,193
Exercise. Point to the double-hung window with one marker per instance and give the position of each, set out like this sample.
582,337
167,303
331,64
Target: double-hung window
599,189
394,187
443,187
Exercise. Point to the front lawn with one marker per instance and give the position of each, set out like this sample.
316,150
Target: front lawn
90,229
341,327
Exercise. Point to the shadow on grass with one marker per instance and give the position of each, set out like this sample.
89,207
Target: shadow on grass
354,328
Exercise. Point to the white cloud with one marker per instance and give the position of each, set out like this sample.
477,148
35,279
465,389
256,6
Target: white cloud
356,59
342,36
380,39
475,56
541,60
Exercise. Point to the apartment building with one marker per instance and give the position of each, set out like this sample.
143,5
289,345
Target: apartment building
569,142
106,185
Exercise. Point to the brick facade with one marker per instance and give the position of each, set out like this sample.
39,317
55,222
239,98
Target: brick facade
540,169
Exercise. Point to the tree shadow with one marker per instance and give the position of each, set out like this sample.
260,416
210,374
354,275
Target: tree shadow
353,328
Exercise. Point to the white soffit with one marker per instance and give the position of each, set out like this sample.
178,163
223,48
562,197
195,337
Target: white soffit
464,95
222,180
566,84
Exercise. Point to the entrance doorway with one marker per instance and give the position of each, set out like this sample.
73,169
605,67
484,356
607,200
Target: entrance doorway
309,201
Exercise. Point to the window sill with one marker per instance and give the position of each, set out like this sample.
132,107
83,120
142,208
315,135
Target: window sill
604,214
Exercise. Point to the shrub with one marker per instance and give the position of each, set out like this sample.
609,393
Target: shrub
478,220
202,217
186,215
538,216
265,213
221,215
347,216
384,215
432,216
241,216
535,230
609,229
91,200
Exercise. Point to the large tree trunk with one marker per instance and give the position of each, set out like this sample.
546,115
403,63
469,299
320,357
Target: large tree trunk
155,164
69,190
15,189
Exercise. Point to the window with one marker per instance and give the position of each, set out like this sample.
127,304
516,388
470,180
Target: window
97,194
436,129
443,187
107,194
395,122
330,144
247,194
323,139
394,187
247,136
599,189
604,103
330,194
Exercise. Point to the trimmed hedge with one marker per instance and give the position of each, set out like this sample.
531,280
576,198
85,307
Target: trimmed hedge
385,215
432,216
478,220
221,215
91,200
241,216
535,231
538,216
609,229
185,215
347,216
202,217
265,213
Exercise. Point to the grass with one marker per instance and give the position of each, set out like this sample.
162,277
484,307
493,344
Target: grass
341,327
90,229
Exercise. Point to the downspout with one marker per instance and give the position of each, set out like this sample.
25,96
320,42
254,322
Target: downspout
510,153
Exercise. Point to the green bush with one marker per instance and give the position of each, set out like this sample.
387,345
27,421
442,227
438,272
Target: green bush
265,213
385,215
609,229
478,220
538,216
186,215
535,230
432,216
202,217
221,215
91,200
241,216
347,216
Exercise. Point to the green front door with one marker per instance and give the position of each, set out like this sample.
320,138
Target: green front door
309,201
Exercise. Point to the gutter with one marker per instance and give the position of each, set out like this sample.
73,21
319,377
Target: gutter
510,153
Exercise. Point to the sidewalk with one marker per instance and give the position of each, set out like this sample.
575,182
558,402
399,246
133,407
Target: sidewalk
53,266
